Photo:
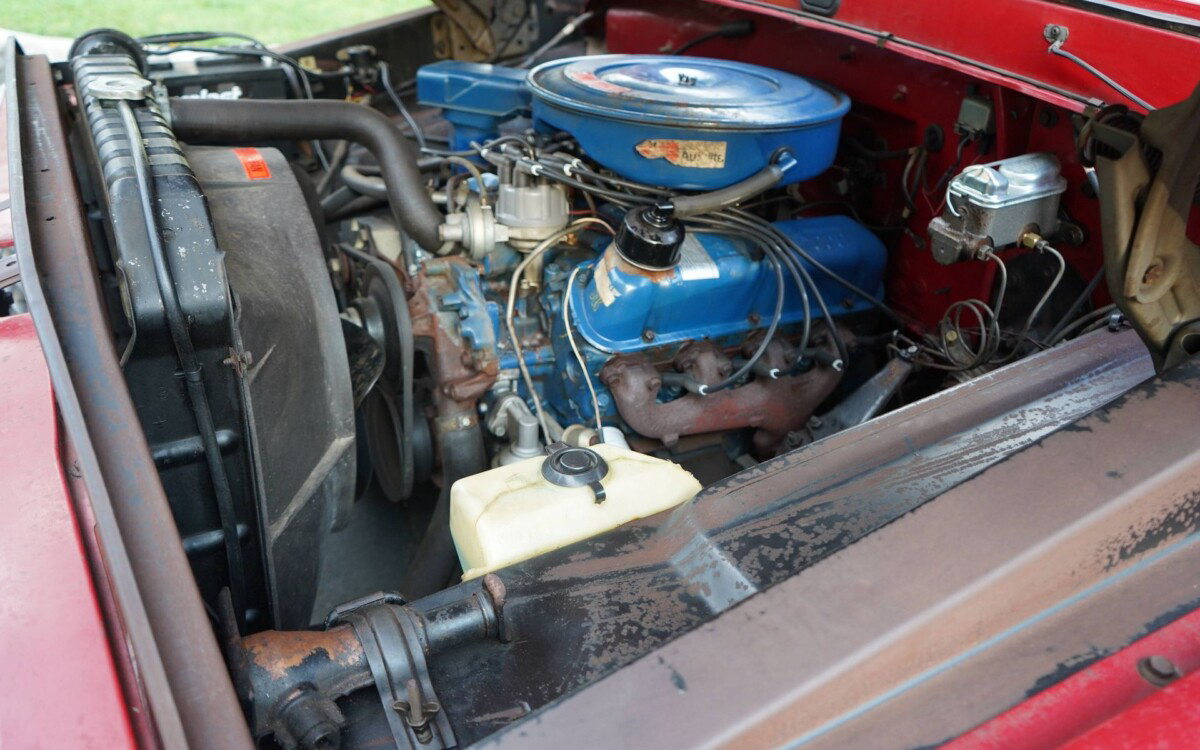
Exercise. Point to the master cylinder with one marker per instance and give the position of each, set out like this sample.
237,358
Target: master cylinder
991,205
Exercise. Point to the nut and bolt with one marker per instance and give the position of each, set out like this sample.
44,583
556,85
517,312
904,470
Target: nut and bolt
1055,33
1157,670
647,335
417,712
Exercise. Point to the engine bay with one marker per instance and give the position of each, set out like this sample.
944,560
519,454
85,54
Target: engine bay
425,328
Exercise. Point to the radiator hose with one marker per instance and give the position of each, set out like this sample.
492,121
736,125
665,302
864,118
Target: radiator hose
239,121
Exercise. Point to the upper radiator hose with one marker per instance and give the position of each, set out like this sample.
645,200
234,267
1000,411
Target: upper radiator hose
231,121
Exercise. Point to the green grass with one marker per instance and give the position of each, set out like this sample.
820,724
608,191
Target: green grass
272,21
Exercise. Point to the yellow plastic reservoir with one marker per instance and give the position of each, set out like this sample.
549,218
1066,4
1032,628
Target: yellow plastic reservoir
515,512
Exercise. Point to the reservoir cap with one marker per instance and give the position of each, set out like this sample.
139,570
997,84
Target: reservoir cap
569,466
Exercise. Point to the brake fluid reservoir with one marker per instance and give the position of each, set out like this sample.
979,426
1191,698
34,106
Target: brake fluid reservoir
512,513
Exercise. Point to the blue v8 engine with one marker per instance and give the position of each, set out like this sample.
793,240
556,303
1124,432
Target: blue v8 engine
605,275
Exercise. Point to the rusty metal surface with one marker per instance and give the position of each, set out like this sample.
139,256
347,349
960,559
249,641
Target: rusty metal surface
163,620
289,680
463,375
1067,551
774,407
579,613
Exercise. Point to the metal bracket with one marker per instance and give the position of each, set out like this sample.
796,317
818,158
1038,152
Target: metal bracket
391,640
866,402
398,640
1153,269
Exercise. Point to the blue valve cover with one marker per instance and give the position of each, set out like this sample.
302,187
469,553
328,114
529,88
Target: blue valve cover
720,290
688,122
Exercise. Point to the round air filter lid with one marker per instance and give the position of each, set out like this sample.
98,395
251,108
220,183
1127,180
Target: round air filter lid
694,92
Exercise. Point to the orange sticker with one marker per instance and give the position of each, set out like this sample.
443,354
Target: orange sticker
254,163
698,154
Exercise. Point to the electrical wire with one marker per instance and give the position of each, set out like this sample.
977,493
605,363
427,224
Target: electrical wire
730,30
1062,267
552,169
385,77
776,251
567,30
808,258
1056,49
1079,302
1081,322
583,368
535,253
474,170
778,247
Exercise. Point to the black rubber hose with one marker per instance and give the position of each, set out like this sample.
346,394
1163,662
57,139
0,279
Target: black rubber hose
333,203
231,121
357,204
363,184
462,455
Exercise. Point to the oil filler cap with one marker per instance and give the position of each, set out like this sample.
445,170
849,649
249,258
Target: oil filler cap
650,238
569,466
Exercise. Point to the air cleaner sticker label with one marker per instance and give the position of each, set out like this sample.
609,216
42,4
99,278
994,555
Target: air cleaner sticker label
696,154
592,81
254,163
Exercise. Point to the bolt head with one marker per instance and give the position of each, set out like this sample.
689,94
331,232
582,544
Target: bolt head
1153,274
1157,670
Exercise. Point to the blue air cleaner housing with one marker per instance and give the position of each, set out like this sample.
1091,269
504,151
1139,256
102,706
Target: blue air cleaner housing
689,123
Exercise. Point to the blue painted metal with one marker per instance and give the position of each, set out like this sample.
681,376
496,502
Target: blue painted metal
721,291
719,287
475,97
657,119
478,317
718,301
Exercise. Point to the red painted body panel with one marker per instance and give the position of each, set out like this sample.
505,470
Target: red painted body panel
58,684
1002,42
1166,720
1108,704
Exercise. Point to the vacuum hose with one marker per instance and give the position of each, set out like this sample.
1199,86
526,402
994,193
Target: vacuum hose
234,121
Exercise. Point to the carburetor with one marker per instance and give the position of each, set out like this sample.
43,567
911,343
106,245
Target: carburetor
990,206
